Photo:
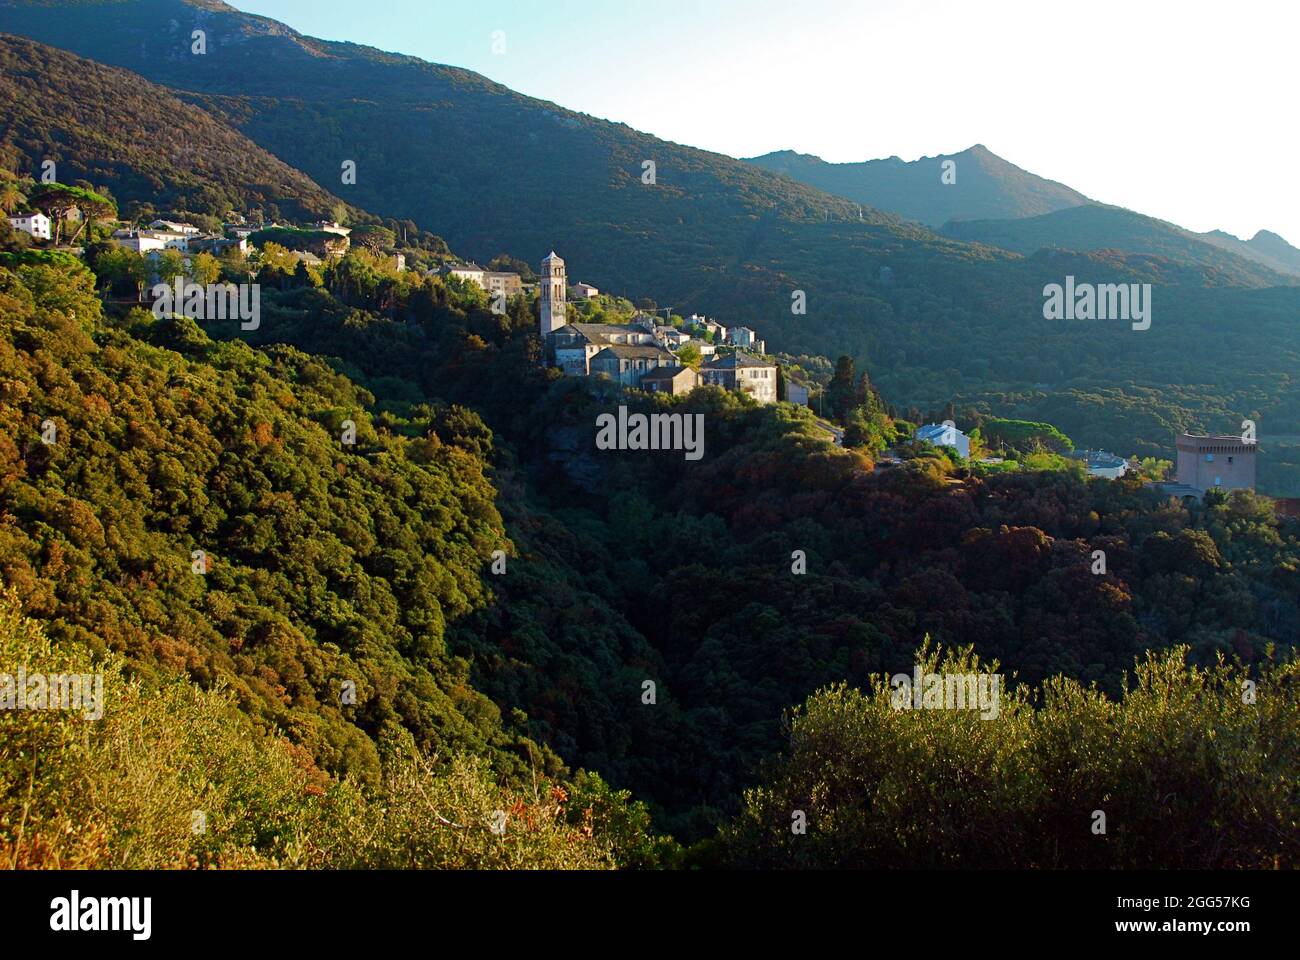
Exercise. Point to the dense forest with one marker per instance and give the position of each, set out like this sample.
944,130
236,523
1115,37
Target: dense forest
1002,562
371,563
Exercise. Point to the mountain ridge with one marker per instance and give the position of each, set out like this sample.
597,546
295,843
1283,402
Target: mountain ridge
1104,227
986,186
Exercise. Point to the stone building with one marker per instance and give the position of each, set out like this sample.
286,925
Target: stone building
747,339
627,363
673,380
553,288
740,371
509,284
577,343
1206,462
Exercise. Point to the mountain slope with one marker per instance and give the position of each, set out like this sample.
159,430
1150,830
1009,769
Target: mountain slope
1100,227
114,129
986,186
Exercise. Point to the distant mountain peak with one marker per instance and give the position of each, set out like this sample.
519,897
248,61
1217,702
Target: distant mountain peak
1267,236
987,187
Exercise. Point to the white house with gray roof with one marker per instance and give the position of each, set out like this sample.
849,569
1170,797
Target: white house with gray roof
945,435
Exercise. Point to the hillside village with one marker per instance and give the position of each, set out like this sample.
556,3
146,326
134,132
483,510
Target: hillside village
671,355
645,353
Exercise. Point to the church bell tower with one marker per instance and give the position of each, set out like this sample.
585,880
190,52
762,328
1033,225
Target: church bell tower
553,287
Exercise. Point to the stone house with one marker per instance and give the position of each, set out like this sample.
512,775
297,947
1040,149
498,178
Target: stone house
672,380
741,371
1226,462
577,343
628,363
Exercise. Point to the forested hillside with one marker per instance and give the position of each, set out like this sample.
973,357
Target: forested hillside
635,567
325,563
136,141
1100,227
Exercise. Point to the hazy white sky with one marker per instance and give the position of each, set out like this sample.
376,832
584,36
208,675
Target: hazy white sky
1181,110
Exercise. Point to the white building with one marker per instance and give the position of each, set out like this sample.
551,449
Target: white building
553,287
142,241
718,330
36,225
139,241
467,271
173,226
671,337
1102,464
584,291
330,226
706,349
945,435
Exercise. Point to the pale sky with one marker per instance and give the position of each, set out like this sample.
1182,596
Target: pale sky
1185,111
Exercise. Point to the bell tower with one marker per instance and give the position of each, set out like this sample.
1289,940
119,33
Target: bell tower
553,287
